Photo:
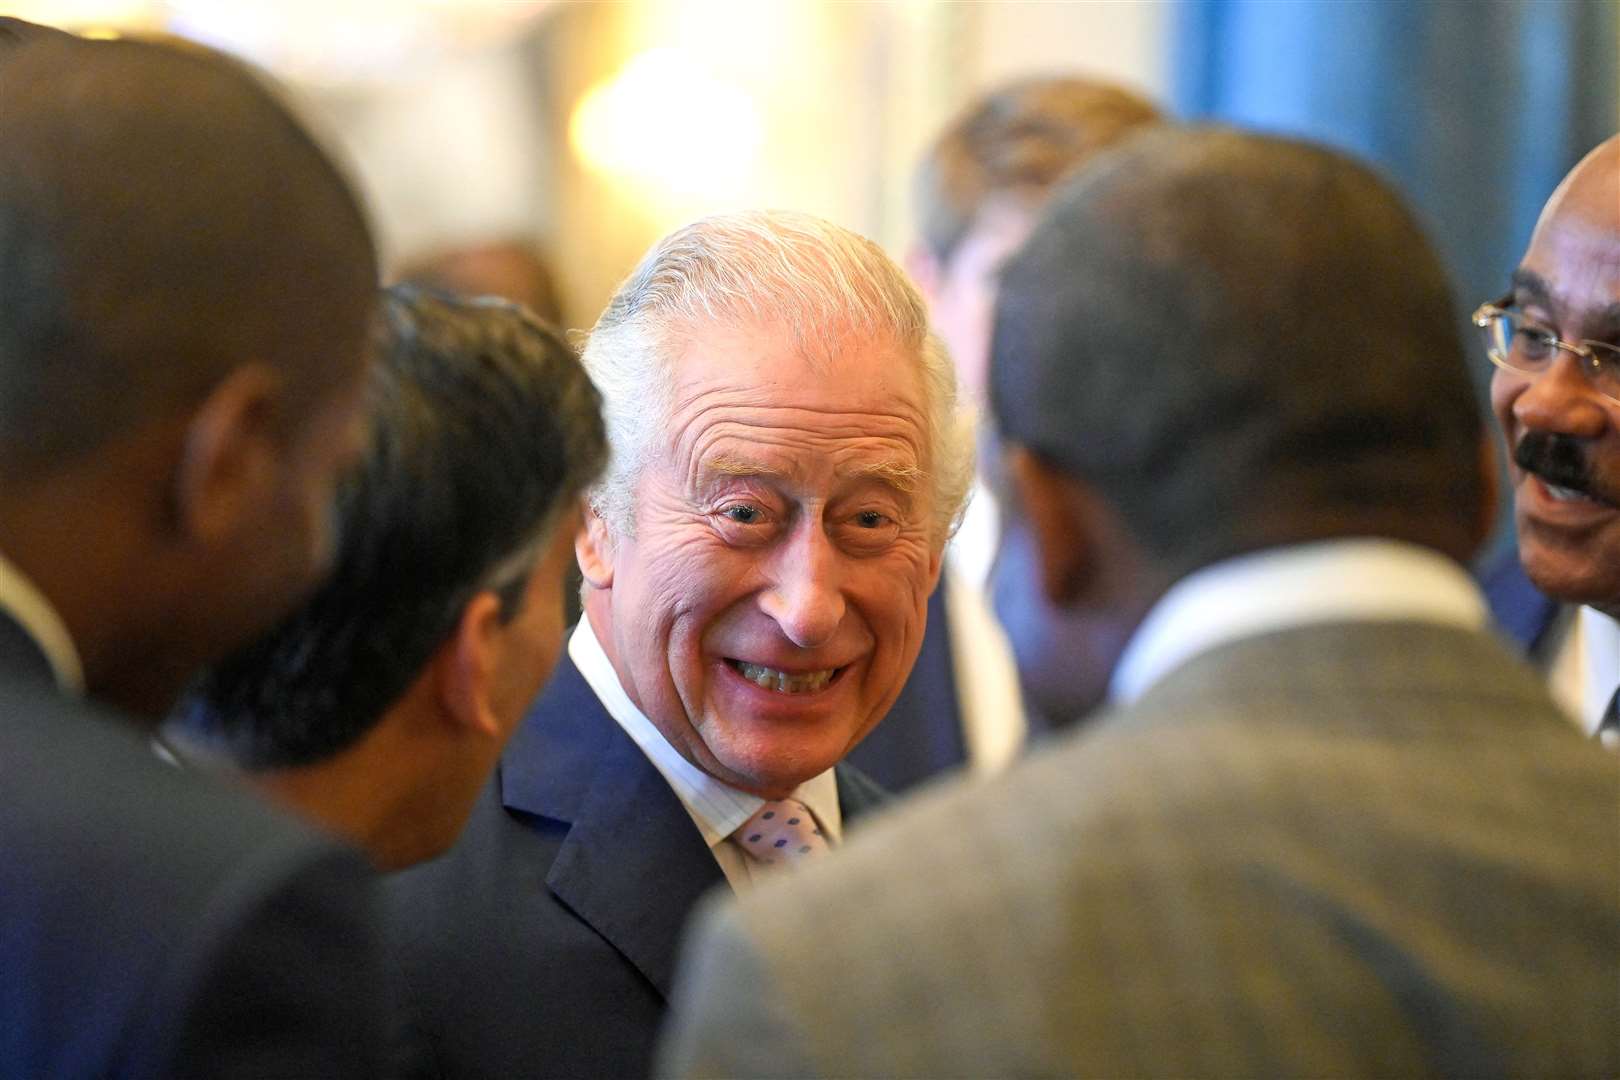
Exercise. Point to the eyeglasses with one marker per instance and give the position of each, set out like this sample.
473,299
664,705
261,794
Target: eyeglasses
1515,342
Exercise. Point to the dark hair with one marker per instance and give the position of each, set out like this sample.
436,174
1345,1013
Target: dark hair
1240,341
1021,140
484,430
163,219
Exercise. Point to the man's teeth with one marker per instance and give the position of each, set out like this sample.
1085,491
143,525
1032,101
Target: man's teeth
1563,494
781,681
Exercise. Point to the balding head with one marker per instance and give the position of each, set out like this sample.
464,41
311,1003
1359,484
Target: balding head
186,294
1240,341
1562,426
1591,191
163,219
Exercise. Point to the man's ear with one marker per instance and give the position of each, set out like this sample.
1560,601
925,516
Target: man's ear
593,547
230,457
1055,506
466,663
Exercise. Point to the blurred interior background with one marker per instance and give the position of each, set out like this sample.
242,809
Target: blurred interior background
584,130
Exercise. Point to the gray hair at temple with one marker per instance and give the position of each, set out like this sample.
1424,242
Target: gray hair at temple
819,282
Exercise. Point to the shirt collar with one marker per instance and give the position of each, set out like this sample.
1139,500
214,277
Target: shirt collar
1600,663
716,808
23,601
1329,581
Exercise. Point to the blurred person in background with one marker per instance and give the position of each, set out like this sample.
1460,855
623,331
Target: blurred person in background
979,190
510,268
787,463
186,292
1330,825
379,707
1555,341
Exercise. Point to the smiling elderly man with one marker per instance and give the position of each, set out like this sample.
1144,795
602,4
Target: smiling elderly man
787,462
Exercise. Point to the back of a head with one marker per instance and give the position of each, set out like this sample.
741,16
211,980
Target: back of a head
484,430
1019,141
1240,342
815,282
163,218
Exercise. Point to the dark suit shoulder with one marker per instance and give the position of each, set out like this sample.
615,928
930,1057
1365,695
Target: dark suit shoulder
858,794
138,894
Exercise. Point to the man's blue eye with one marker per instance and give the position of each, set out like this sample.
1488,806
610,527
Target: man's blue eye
742,515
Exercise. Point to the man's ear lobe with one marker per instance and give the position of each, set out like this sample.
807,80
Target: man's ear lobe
466,663
230,455
593,547
1054,506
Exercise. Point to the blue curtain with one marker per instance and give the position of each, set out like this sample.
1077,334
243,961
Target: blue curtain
1474,108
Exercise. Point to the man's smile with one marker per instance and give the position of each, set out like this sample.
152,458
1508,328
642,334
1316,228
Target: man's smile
783,682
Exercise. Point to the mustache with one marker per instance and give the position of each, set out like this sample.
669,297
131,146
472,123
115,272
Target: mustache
1557,459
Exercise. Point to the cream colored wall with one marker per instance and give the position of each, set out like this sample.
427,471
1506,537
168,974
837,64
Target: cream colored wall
845,96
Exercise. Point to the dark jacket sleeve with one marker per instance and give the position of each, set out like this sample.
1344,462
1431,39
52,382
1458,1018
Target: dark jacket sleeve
283,978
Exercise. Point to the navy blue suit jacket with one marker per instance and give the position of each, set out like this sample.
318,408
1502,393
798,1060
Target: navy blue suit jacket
922,734
544,943
155,923
1522,612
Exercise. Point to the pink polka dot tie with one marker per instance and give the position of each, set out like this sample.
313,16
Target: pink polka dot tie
780,832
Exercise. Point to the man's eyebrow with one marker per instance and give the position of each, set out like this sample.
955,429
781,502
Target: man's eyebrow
1531,287
734,466
899,475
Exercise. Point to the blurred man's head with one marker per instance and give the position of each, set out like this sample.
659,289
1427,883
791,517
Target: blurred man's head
1559,407
186,291
514,269
382,703
1216,343
981,184
787,465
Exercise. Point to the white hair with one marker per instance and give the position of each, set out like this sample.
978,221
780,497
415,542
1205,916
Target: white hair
816,280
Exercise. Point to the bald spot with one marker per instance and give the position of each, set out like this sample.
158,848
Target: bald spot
163,219
1591,192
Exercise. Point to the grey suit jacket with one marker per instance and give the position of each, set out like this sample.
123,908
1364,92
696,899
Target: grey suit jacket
1350,849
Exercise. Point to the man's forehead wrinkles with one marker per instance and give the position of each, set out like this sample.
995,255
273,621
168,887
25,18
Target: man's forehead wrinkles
737,450
771,404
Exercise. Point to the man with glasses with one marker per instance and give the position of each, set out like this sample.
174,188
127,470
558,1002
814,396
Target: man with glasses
1555,340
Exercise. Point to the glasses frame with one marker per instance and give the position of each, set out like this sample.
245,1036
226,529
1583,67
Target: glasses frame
1486,313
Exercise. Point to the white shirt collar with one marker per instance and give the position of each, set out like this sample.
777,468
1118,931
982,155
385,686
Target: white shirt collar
23,601
1600,663
716,808
1329,581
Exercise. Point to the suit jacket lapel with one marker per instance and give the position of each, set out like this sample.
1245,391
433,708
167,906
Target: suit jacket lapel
632,864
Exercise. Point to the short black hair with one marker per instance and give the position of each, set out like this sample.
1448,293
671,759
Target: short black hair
484,431
164,218
1240,341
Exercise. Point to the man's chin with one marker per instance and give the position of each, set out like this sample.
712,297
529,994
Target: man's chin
1566,572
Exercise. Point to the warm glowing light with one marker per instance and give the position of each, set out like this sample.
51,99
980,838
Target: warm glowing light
100,15
666,123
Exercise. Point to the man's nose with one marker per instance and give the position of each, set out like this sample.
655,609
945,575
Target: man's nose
1561,400
806,596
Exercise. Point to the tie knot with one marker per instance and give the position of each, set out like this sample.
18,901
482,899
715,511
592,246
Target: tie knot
781,831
